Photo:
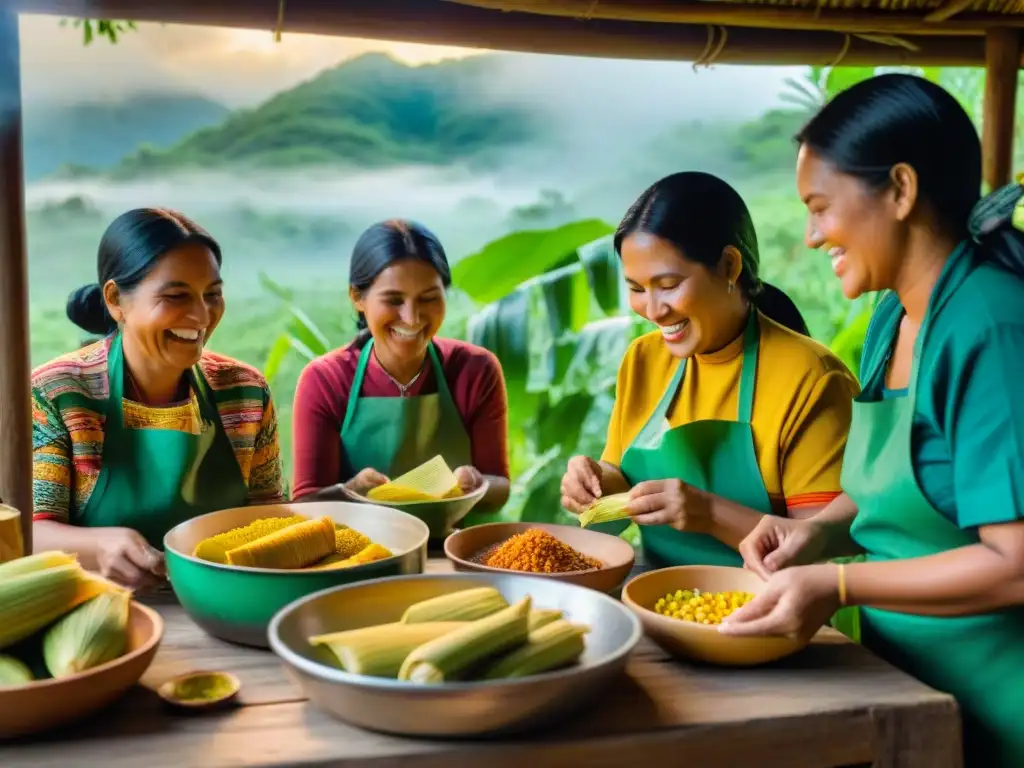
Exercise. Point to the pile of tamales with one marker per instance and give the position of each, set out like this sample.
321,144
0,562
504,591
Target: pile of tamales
472,634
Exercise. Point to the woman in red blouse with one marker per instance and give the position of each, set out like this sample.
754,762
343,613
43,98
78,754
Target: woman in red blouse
397,396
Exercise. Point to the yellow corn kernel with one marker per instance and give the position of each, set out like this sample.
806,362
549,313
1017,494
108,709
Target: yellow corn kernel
215,548
370,554
701,607
349,542
454,654
31,601
464,605
92,634
380,650
296,546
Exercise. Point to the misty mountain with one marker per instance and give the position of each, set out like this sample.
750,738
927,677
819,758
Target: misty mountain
99,134
369,112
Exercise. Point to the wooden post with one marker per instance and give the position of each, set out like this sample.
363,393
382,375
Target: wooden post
1002,62
15,365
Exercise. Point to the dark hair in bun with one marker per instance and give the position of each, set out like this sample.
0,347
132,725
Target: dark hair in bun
130,248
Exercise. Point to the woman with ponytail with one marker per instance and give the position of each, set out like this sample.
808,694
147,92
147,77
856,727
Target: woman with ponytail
728,412
146,428
398,395
933,476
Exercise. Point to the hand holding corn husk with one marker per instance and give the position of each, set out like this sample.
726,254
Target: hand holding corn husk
365,481
670,502
581,484
125,557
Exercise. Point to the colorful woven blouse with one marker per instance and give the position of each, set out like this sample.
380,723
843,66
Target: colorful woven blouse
68,398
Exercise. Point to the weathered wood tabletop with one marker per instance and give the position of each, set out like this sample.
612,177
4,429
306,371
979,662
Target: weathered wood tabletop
834,704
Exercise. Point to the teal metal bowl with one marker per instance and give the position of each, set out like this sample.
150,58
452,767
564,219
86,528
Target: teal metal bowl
440,516
236,604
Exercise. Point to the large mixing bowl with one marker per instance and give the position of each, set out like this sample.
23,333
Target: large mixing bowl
236,603
441,516
457,709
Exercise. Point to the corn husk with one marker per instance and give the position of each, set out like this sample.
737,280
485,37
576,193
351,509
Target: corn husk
605,510
429,481
92,634
13,671
551,646
464,605
380,651
296,546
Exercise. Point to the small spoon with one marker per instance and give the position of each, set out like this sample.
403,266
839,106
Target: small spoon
200,690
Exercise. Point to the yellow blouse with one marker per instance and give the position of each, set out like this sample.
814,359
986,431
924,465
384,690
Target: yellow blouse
802,406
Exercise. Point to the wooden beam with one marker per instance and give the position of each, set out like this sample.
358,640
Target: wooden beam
764,15
446,23
15,366
1002,63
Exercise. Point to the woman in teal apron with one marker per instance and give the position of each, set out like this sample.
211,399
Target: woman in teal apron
129,432
726,413
398,395
934,468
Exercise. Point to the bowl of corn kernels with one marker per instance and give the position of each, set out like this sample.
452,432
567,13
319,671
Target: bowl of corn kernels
681,608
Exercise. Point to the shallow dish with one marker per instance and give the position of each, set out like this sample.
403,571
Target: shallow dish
440,516
616,554
702,642
459,709
236,603
44,705
179,691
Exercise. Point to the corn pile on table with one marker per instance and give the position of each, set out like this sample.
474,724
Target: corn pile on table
833,705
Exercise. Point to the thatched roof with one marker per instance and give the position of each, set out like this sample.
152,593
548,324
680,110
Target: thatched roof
825,32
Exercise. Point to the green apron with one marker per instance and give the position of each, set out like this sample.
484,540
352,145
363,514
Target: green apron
395,434
153,479
977,659
713,455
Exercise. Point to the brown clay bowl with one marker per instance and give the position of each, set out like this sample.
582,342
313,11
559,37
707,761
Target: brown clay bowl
702,642
615,554
47,704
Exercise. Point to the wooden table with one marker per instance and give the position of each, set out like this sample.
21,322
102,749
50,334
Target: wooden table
833,705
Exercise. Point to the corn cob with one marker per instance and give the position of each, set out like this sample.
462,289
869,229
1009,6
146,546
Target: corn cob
33,600
553,645
92,634
296,546
605,510
12,546
379,651
215,548
542,616
370,554
452,655
37,562
13,671
464,605
349,542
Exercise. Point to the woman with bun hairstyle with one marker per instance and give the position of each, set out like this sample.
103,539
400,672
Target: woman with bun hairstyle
145,428
398,395
933,477
729,411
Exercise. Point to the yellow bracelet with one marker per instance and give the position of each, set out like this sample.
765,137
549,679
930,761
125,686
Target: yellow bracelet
842,584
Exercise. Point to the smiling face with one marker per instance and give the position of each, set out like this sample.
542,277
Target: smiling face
690,303
171,314
404,309
861,229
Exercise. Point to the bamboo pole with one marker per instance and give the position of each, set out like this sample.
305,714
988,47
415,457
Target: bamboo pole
763,15
1002,63
15,392
445,23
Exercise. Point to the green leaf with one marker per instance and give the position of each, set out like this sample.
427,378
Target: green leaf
597,351
604,272
503,328
566,295
284,294
841,78
278,352
304,330
505,263
559,425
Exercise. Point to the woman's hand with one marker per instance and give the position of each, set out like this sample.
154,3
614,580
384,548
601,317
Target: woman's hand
795,603
671,502
125,557
363,482
581,484
779,542
469,478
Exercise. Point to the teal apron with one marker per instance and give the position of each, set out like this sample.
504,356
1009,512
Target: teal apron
977,659
153,479
395,434
713,455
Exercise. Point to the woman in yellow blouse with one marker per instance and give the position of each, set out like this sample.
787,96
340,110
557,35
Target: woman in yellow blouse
728,411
